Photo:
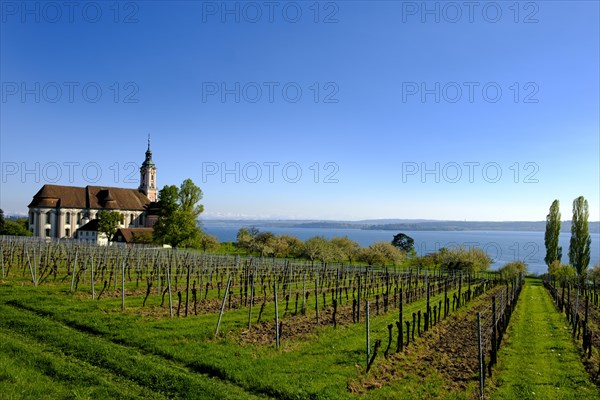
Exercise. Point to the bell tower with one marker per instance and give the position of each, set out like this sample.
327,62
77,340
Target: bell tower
148,176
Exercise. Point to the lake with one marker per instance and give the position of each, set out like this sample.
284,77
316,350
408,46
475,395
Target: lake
501,246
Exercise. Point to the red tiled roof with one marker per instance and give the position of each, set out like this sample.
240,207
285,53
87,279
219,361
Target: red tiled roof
129,234
90,226
92,197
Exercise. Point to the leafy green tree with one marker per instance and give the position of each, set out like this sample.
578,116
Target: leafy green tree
472,259
553,267
178,211
1,220
142,237
294,247
16,228
346,249
189,197
564,274
279,246
404,243
381,253
264,244
513,269
318,248
108,223
168,197
244,239
553,250
207,242
595,273
579,246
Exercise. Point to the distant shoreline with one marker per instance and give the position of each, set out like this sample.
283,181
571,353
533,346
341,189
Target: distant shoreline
410,225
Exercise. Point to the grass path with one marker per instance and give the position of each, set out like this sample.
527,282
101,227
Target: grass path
539,359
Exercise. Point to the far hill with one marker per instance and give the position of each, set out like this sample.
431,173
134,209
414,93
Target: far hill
404,225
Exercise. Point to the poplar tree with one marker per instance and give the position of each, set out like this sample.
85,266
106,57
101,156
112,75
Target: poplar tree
579,246
553,250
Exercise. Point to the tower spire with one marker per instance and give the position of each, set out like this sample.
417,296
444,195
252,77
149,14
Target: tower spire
148,175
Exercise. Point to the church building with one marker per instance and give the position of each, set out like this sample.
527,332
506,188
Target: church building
58,211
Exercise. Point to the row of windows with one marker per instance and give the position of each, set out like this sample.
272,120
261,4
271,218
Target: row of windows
67,232
49,218
79,217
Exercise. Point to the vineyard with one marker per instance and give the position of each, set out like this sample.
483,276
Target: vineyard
581,307
178,324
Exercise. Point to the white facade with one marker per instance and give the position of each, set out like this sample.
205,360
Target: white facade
92,237
64,222
59,211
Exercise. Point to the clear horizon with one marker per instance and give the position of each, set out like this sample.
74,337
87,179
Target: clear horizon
308,111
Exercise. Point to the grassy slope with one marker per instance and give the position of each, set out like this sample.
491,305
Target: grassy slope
43,358
539,359
294,372
29,369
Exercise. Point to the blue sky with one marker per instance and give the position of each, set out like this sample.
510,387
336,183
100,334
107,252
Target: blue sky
328,110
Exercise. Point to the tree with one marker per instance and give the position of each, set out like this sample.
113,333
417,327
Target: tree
595,273
553,250
404,243
472,259
244,239
15,228
294,246
318,248
346,249
207,242
512,269
381,253
1,220
279,246
178,210
189,196
141,237
579,246
553,267
108,223
564,274
264,244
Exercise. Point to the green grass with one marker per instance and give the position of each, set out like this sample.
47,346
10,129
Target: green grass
57,345
183,355
29,369
539,359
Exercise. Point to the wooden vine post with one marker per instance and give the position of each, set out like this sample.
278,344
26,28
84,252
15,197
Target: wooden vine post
123,285
223,306
251,300
74,269
317,296
480,353
92,276
367,332
169,289
276,316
